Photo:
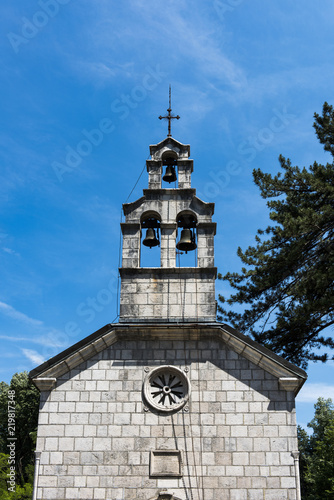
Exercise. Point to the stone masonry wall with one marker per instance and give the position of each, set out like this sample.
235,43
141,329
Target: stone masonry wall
236,434
186,295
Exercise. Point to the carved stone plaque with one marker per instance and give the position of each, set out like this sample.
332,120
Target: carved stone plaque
166,463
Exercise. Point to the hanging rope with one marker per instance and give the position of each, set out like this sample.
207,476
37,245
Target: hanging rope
120,246
141,173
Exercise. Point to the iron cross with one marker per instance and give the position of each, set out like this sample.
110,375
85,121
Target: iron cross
169,117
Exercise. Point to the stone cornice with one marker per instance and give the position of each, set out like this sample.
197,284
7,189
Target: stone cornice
291,377
163,271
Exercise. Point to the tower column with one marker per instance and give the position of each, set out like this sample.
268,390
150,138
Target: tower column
205,244
168,244
184,170
154,169
131,244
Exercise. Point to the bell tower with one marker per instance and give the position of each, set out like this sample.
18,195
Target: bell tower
167,404
168,218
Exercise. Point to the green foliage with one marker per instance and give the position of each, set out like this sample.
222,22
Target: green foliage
288,281
26,398
20,492
317,454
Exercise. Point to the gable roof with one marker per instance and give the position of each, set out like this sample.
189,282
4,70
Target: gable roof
290,376
170,143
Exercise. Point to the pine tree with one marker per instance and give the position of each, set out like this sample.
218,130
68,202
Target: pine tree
288,283
317,454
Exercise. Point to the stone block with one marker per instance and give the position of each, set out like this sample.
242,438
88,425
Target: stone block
80,481
79,418
255,494
216,470
223,458
257,458
59,418
74,430
51,430
84,407
45,458
270,430
102,431
66,444
252,470
244,482
57,395
228,407
71,458
276,494
280,471
66,407
56,457
53,493
49,481
239,431
259,482
278,444
122,419
65,481
125,444
261,444
234,470
83,444
239,458
287,431
234,419
51,444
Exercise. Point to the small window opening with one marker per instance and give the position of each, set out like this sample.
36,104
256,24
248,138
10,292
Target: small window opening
150,252
185,254
169,160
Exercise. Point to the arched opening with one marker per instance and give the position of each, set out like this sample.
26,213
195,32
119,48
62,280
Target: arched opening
164,495
169,165
186,246
150,240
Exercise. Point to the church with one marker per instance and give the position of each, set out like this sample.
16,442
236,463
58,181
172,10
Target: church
168,403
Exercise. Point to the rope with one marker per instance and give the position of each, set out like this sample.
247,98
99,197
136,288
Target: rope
120,247
119,265
176,447
187,460
200,421
141,173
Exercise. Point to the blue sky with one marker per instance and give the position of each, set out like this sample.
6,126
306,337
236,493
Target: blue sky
82,86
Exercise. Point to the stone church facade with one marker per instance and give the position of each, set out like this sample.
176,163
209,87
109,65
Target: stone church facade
167,404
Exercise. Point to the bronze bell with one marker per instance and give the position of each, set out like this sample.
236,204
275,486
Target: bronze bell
150,239
187,241
170,175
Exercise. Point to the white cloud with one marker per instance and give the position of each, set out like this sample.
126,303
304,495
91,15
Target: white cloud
17,315
10,251
52,339
42,334
167,35
312,391
33,356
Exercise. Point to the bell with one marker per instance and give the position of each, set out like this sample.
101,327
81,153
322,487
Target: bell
187,241
150,239
170,175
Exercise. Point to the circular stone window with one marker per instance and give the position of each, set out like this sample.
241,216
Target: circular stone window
166,389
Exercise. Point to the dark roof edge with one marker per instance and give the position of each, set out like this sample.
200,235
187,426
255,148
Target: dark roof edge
102,331
70,350
264,350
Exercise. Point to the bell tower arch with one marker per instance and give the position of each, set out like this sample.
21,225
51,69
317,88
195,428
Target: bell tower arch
168,214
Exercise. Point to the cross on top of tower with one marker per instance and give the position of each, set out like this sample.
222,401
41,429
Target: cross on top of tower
169,117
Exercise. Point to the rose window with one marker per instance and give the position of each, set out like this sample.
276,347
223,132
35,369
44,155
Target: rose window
166,389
